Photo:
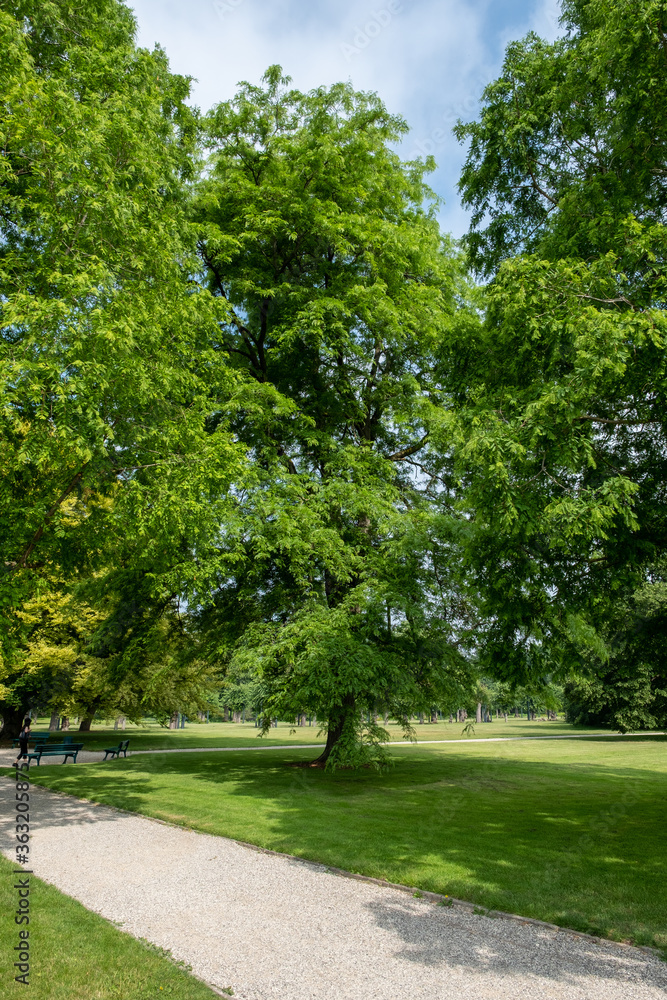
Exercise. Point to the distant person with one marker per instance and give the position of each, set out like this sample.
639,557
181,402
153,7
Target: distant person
24,736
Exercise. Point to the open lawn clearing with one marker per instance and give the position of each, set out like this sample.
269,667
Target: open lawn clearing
151,736
571,832
78,955
274,928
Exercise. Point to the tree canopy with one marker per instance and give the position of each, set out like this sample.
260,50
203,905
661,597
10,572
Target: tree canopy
563,395
104,356
341,291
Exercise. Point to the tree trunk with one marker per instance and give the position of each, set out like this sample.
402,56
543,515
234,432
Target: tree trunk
479,712
12,719
54,722
335,729
64,725
84,725
173,722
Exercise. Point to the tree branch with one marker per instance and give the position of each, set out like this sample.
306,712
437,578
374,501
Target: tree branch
398,456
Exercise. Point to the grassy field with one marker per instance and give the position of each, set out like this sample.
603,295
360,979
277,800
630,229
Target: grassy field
568,831
151,736
77,955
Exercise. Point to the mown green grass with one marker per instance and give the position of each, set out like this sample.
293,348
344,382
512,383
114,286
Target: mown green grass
151,736
571,832
77,955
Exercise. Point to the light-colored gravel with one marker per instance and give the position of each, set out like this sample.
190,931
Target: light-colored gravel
279,929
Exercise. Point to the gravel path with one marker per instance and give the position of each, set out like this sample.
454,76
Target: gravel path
274,928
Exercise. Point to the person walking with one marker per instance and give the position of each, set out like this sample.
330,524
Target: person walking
24,735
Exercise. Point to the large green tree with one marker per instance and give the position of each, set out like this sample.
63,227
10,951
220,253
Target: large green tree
105,364
344,600
563,395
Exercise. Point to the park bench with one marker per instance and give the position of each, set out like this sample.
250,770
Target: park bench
118,750
33,738
41,738
63,750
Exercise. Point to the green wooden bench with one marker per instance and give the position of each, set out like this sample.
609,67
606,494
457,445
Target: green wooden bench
50,738
118,750
33,738
63,750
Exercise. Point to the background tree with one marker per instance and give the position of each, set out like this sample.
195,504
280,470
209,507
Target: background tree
625,684
343,599
104,359
562,442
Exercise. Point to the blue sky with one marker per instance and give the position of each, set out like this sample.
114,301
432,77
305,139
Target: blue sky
427,59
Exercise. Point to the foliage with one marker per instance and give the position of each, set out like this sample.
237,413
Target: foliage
571,138
342,597
360,744
104,358
106,652
561,419
627,689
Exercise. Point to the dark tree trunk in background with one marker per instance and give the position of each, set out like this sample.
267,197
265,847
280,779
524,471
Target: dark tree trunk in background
84,725
11,720
479,711
64,725
173,722
54,722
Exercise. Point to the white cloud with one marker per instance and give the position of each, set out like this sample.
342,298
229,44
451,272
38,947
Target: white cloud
428,59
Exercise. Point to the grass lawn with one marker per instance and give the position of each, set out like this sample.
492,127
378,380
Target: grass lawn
77,955
572,832
151,736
